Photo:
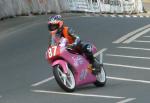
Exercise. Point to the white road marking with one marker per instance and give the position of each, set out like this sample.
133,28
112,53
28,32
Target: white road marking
42,82
126,56
114,78
136,36
135,16
131,34
146,36
113,16
133,48
120,16
99,52
78,94
141,41
120,79
129,80
128,16
127,66
141,16
127,100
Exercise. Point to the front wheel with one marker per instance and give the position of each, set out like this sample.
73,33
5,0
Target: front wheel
65,81
101,78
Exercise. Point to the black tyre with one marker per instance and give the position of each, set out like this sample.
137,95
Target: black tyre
65,81
101,78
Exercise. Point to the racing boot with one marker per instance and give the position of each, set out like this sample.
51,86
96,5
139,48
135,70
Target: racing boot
96,67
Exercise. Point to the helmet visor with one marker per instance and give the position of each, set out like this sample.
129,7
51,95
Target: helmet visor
53,27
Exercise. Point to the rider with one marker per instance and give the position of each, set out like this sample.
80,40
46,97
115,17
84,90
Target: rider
57,30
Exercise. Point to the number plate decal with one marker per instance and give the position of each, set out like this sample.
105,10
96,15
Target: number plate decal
53,51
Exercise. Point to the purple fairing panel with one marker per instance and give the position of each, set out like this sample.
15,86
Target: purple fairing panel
94,49
80,67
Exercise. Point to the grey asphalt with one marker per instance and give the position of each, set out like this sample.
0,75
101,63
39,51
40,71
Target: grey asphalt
24,40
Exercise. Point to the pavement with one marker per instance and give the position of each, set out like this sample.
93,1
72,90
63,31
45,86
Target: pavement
147,7
146,4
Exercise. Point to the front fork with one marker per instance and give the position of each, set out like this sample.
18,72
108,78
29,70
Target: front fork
100,54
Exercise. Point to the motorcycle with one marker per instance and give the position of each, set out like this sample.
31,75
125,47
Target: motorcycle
72,69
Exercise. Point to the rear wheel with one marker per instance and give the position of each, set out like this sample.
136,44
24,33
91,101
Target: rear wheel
101,78
65,81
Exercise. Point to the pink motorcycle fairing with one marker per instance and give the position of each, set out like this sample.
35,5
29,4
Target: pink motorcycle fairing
78,63
62,63
94,49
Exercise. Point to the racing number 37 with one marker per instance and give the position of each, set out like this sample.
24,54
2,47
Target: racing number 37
53,51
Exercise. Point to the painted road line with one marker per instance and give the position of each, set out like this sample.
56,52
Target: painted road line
130,34
128,80
141,16
126,56
128,16
42,82
99,52
108,77
146,36
136,36
141,41
134,16
121,16
133,48
127,100
77,94
127,66
113,16
123,79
